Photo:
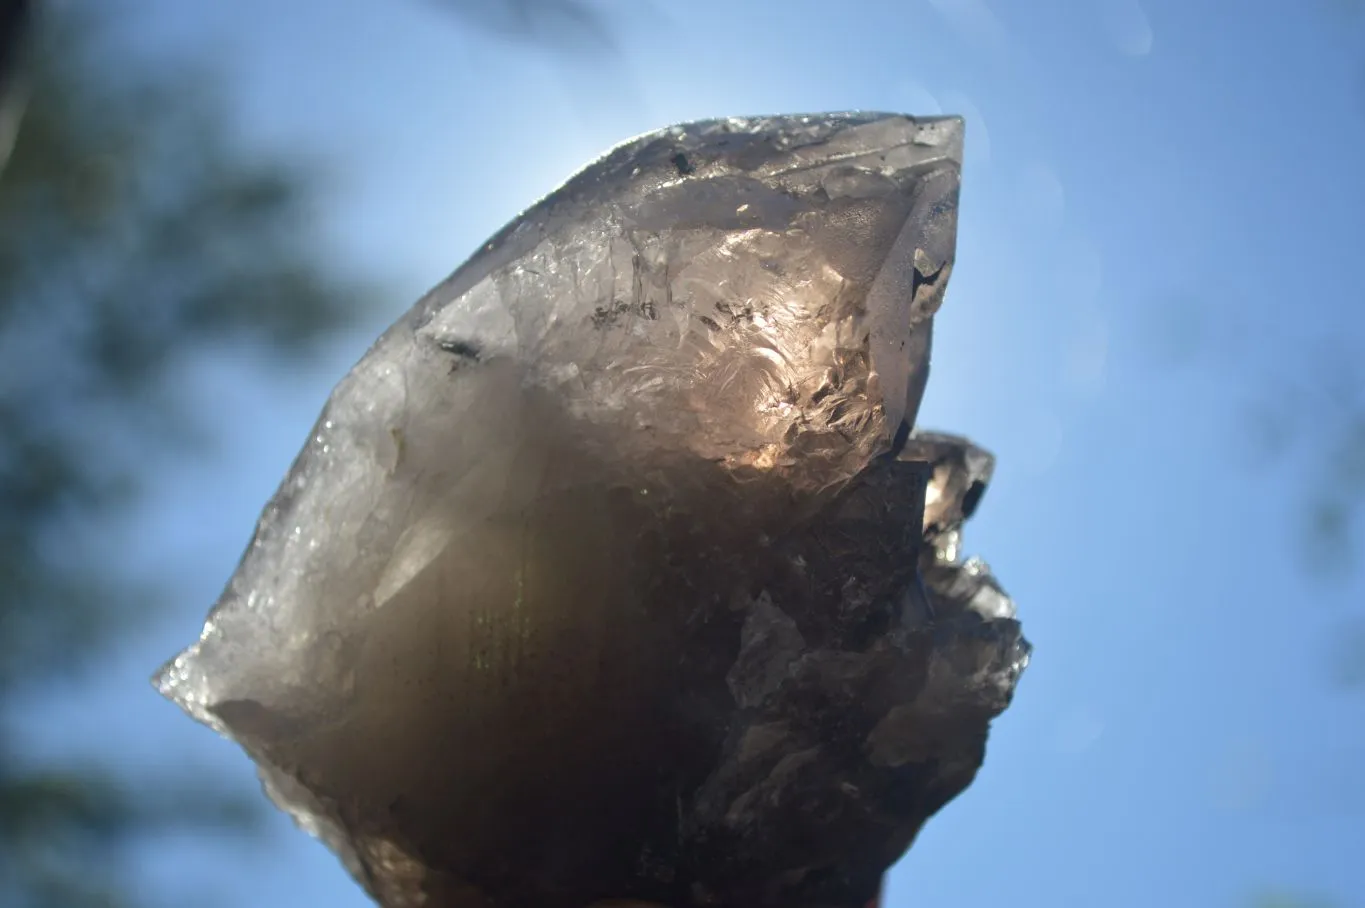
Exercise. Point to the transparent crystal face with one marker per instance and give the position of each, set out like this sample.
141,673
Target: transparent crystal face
613,570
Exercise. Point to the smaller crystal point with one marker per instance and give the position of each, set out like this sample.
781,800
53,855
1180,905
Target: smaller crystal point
613,571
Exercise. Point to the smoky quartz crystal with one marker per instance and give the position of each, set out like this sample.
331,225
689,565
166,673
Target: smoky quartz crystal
617,569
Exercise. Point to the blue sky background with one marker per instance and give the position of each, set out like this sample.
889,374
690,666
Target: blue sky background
1160,238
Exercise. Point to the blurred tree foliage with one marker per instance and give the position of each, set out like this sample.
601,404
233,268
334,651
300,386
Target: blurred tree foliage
15,16
1307,412
561,26
1337,510
1316,417
133,236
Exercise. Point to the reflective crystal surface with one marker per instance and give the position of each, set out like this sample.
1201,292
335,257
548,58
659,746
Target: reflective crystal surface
613,570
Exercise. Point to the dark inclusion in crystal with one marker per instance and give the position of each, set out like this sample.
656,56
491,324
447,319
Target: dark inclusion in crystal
613,570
